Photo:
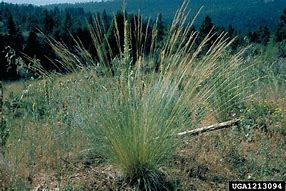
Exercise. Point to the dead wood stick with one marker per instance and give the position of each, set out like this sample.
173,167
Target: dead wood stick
213,127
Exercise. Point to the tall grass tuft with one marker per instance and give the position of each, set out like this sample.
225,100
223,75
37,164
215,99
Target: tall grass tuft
231,87
131,116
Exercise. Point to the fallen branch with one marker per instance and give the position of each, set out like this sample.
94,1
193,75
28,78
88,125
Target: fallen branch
213,127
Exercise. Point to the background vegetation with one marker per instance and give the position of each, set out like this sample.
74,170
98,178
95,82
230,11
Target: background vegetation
20,27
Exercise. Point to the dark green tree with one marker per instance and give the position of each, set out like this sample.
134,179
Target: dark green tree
2,58
283,17
263,35
116,39
49,23
280,34
67,24
32,47
11,26
206,27
57,16
232,33
253,37
160,28
105,20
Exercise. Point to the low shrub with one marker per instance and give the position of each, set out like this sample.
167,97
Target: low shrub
265,115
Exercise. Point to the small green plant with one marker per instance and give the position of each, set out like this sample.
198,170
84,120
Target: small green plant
264,115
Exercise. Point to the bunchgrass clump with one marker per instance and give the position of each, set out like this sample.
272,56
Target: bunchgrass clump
131,106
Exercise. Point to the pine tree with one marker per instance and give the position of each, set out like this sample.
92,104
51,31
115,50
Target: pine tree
104,19
263,35
56,16
280,34
115,34
32,46
49,22
231,31
67,22
1,24
2,60
11,26
281,29
283,17
206,27
253,37
160,28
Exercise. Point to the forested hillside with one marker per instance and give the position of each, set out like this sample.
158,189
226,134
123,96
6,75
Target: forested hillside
23,29
244,15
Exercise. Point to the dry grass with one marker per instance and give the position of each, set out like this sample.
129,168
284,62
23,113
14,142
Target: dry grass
205,162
